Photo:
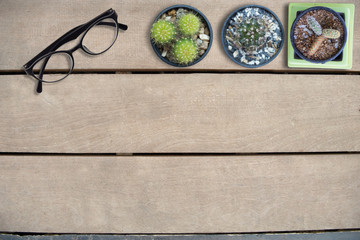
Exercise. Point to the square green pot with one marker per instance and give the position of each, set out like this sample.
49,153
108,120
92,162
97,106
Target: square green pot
346,62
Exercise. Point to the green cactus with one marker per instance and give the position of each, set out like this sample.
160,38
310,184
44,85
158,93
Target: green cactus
252,33
189,24
185,51
331,33
316,44
163,32
314,25
326,33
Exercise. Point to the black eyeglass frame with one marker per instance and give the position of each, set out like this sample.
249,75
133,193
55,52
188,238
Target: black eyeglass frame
67,37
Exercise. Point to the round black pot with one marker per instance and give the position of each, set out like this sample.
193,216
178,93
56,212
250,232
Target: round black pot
226,24
157,50
293,29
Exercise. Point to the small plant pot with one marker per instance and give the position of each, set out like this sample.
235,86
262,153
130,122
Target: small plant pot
185,37
303,38
252,36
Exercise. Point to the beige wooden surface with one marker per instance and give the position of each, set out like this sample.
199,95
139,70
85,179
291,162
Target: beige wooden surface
127,113
179,194
303,120
27,27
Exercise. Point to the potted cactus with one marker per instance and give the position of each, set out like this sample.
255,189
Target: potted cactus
318,35
181,35
252,36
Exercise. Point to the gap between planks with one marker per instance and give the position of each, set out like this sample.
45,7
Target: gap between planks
178,154
192,236
192,71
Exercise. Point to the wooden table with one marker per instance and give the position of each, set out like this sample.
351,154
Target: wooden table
128,144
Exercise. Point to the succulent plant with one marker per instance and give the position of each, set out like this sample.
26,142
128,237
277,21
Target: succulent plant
331,33
252,33
314,25
326,33
322,34
189,24
185,51
163,32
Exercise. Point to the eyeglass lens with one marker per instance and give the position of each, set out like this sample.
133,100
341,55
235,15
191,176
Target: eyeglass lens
57,66
100,37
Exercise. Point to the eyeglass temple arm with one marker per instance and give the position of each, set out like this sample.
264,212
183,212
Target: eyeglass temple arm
42,69
76,32
120,25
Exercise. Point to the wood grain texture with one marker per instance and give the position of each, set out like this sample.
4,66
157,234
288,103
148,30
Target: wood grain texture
27,27
137,113
179,194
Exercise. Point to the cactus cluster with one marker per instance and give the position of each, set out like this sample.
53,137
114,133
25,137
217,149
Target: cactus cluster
252,33
178,36
323,34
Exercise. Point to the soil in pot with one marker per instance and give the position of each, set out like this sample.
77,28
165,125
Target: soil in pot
305,37
190,40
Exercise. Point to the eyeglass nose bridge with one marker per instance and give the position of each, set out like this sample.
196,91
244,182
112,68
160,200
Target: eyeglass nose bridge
72,50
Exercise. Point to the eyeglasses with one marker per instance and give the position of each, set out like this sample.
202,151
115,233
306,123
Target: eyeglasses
100,34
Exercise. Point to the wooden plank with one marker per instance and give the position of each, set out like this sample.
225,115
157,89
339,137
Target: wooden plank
79,194
343,235
27,27
136,113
